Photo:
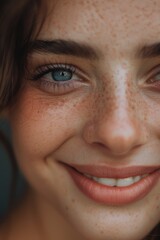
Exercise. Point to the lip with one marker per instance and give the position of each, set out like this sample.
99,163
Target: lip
110,172
114,195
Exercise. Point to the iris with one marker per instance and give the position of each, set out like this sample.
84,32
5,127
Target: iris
61,75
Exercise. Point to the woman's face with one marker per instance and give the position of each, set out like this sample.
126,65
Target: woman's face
92,101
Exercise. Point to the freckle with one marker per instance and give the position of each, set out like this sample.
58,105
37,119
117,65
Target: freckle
66,208
136,216
130,214
73,200
102,232
145,117
136,227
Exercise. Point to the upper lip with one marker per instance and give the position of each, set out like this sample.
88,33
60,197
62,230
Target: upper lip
114,172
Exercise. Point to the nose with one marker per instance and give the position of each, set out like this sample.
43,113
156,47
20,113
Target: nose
119,131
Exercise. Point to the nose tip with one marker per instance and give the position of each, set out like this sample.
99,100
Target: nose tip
121,140
116,136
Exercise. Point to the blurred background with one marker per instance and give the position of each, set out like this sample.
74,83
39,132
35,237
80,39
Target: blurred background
5,173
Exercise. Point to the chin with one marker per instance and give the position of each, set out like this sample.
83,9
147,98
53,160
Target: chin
112,224
99,233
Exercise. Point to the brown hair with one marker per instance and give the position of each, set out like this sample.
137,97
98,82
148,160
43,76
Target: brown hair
17,25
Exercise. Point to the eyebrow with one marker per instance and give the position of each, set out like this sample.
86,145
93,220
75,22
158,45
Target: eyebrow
149,51
82,50
64,47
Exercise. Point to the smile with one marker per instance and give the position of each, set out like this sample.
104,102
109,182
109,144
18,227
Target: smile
114,186
114,182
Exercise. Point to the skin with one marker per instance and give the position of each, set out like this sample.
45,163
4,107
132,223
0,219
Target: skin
111,118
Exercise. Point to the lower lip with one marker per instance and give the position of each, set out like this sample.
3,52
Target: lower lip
114,195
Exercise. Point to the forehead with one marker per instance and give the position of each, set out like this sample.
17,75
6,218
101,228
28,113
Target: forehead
104,22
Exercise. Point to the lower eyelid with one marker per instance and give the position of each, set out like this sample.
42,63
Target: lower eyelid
58,89
44,81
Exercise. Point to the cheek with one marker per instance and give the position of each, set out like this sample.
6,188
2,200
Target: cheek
39,125
152,116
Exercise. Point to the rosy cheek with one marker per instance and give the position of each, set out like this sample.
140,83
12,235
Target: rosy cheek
41,123
35,124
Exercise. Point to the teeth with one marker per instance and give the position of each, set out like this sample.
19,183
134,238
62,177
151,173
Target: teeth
106,181
125,182
117,182
137,178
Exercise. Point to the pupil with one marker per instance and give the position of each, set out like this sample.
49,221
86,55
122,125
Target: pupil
61,75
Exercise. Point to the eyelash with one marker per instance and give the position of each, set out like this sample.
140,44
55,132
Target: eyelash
57,87
152,78
63,87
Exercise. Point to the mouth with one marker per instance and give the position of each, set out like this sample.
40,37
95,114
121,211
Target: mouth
114,186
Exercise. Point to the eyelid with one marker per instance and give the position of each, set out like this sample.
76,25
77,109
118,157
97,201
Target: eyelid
48,68
153,71
44,81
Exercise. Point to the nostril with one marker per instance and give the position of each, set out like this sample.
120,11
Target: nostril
116,152
115,135
116,140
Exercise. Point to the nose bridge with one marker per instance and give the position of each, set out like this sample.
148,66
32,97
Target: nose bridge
116,125
120,101
124,103
121,115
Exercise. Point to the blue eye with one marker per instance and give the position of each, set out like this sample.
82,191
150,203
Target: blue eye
59,78
61,74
